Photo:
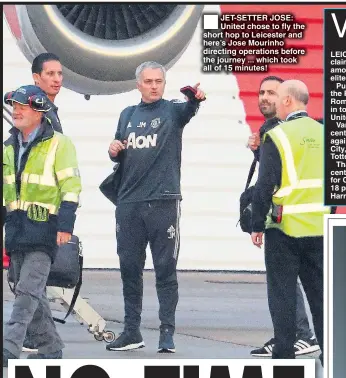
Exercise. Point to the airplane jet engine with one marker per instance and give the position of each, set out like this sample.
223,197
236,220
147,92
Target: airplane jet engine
100,45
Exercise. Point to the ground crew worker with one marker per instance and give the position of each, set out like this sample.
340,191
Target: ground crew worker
47,74
41,187
291,180
305,341
148,145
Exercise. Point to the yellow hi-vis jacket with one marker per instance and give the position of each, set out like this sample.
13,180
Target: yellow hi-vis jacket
300,145
42,195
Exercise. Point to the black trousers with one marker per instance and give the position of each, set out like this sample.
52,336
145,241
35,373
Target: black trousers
286,259
156,223
303,328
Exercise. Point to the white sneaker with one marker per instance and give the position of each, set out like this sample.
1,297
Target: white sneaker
306,346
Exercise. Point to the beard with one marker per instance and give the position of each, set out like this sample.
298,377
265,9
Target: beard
268,112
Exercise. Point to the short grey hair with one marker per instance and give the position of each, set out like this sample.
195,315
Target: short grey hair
145,65
299,94
297,89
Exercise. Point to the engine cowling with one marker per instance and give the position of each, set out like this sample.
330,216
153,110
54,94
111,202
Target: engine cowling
100,46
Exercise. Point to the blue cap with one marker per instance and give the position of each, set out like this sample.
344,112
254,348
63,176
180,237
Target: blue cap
23,94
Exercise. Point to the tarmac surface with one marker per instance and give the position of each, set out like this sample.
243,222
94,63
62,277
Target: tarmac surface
219,316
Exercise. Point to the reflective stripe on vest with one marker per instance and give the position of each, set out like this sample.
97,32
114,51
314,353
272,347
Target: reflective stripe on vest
32,178
291,170
299,143
10,179
12,206
292,173
306,208
71,197
46,179
66,173
24,205
286,145
301,184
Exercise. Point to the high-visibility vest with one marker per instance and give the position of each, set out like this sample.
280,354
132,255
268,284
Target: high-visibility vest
50,176
300,145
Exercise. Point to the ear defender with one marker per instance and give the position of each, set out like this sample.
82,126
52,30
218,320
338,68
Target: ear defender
7,98
39,103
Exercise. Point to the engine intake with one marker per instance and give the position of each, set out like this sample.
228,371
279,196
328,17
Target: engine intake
100,45
116,21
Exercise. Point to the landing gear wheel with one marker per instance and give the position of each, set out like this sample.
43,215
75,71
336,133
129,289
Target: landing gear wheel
108,336
98,336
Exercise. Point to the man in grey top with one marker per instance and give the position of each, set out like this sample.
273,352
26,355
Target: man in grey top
147,145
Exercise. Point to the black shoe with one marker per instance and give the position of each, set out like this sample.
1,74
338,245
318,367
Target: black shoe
29,346
127,340
7,355
49,356
306,346
265,351
166,344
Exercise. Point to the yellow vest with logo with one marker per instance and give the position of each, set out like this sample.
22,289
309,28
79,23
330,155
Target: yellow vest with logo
50,176
300,145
